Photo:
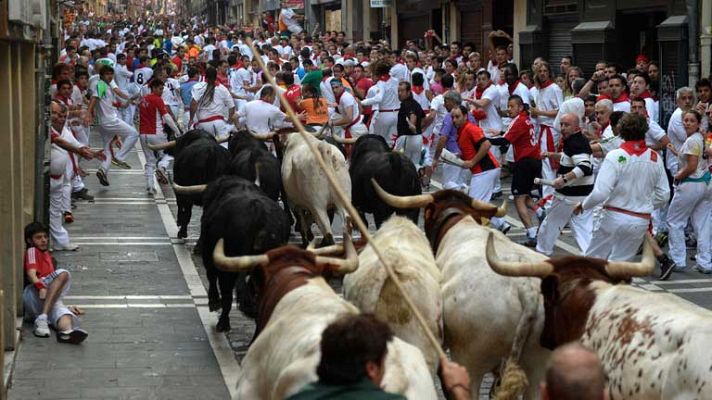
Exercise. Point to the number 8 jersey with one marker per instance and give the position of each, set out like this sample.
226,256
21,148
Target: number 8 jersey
141,76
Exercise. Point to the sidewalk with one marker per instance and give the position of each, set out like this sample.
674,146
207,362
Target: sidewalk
146,335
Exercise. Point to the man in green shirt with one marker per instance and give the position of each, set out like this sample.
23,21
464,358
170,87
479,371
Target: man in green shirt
314,75
352,365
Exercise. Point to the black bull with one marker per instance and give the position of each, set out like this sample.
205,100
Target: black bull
238,211
371,158
199,160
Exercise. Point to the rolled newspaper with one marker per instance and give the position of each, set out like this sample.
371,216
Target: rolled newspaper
450,158
546,182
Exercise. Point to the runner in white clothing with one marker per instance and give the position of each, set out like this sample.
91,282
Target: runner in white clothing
212,107
261,116
385,122
549,99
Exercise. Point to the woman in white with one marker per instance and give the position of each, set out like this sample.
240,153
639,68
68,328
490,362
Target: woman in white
385,122
692,197
212,105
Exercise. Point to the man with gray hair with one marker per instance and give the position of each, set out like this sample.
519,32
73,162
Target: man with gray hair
574,372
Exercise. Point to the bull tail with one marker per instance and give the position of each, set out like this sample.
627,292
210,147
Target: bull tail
513,378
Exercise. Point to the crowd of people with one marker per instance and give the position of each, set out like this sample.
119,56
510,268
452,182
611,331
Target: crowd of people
584,149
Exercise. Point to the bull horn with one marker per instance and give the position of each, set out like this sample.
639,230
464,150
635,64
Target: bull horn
263,136
340,140
194,189
416,201
326,251
257,174
348,265
163,146
235,264
626,269
515,268
320,134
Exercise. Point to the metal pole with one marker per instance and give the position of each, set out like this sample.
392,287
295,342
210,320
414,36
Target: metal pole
693,21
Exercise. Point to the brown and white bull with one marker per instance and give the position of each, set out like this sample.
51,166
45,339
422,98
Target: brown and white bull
369,288
307,187
651,345
296,305
487,317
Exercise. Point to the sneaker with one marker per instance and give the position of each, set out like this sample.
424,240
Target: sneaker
151,191
120,164
667,265
703,270
68,217
83,195
75,336
101,175
530,242
41,327
662,239
69,247
161,176
505,227
677,268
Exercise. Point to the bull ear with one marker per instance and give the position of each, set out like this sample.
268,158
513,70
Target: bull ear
550,288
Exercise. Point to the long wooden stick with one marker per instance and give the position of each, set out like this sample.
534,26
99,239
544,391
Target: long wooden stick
346,202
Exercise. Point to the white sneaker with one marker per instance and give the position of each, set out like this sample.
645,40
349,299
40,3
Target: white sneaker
41,327
69,247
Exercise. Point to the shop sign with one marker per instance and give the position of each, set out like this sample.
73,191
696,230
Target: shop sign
381,3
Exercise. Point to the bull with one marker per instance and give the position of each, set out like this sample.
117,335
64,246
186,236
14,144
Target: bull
371,158
253,161
199,160
651,345
307,187
249,222
486,317
296,305
369,288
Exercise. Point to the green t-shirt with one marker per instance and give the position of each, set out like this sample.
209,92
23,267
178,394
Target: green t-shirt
313,78
364,389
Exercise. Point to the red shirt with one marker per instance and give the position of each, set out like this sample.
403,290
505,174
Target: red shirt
469,138
364,84
523,138
39,260
292,95
151,111
178,62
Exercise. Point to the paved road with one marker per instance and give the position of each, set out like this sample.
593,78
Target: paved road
151,335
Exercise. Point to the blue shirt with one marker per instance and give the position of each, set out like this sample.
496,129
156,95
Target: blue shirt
450,130
185,92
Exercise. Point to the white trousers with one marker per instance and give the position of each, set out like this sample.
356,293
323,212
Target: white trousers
411,146
498,155
117,128
128,113
617,236
150,167
547,172
454,177
691,200
385,124
558,215
481,188
218,128
57,193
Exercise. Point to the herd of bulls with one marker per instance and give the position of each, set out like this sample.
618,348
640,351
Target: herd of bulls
486,298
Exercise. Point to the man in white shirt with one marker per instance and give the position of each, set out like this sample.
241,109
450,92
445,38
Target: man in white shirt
122,78
261,116
348,114
290,19
411,62
384,123
618,95
500,57
212,107
655,137
548,101
207,53
640,88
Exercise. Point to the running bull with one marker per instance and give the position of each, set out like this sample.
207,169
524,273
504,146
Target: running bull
296,305
486,317
249,222
651,345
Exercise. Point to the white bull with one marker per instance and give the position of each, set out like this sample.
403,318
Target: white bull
483,311
286,353
369,288
306,184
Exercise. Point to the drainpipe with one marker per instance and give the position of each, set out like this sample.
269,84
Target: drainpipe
693,22
706,37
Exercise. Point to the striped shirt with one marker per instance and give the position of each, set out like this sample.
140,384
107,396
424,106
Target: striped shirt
576,157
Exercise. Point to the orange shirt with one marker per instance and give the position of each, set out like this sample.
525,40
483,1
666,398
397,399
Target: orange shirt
315,115
194,52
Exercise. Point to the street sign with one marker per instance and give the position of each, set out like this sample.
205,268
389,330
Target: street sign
381,3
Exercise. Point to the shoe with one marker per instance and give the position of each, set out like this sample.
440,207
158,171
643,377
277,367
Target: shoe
702,270
530,242
151,191
68,217
496,196
75,336
680,269
83,195
662,239
69,247
41,327
101,175
505,227
161,176
120,164
667,265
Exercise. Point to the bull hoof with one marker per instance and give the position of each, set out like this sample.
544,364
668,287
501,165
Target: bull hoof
223,326
249,310
214,305
183,232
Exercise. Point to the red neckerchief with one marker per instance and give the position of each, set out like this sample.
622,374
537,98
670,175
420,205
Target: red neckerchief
623,97
61,98
384,77
603,128
634,147
646,95
546,84
418,89
479,93
513,87
349,55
